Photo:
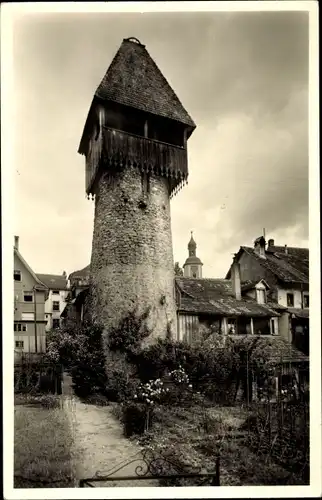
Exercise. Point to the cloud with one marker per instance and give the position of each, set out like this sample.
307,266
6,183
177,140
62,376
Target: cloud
243,77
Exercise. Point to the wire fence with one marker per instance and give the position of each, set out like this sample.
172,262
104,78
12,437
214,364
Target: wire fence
34,373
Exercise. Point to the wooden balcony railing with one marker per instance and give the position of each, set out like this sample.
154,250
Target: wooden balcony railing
118,148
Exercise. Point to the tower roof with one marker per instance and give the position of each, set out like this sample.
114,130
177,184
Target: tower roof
192,244
133,79
193,260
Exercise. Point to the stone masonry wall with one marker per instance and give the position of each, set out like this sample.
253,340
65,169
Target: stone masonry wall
132,260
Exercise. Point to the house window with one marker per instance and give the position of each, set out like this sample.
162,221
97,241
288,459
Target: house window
261,299
17,275
55,306
56,292
28,297
232,326
56,323
272,327
18,327
306,301
290,299
19,344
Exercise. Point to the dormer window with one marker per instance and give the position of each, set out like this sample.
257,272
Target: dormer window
261,296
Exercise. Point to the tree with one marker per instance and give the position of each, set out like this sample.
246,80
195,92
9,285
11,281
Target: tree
177,270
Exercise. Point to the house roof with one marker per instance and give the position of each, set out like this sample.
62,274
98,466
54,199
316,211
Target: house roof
299,313
82,273
249,284
53,281
281,351
292,267
33,274
215,296
133,79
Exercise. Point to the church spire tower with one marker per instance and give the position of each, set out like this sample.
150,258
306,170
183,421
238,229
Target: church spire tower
192,268
135,147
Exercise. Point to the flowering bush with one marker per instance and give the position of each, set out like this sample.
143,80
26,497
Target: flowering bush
179,376
150,393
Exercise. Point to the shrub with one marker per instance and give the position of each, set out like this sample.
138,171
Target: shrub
120,383
80,348
136,418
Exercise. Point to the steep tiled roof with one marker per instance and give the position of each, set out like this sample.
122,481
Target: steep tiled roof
133,79
215,296
292,267
53,281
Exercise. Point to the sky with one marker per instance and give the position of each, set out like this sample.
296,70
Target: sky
242,76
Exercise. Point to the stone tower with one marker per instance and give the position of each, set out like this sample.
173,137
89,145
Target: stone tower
192,268
135,145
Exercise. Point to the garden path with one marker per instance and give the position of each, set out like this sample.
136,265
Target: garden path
99,444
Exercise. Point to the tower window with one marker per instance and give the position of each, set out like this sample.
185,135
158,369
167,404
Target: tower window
290,299
56,292
194,275
55,306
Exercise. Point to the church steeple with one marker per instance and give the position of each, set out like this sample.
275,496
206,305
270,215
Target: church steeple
192,246
192,268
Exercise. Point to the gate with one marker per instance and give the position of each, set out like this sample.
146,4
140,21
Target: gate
151,467
154,468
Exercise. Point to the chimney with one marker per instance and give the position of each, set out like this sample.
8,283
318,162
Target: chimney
64,274
16,242
286,250
235,279
271,243
259,246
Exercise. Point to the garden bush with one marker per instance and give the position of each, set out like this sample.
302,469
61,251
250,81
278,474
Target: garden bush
135,418
80,349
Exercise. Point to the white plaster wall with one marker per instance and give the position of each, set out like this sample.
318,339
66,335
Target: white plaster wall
282,297
52,297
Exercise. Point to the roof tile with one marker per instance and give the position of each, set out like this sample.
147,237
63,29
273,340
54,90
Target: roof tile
215,296
133,79
290,267
53,281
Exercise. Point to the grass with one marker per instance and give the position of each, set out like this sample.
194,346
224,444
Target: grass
179,435
42,447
